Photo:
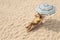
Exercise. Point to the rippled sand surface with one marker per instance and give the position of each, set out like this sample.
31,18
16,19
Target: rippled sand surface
15,15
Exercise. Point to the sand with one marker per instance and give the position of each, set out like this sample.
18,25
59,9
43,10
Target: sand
15,15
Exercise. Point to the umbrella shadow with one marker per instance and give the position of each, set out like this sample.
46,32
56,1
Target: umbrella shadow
50,24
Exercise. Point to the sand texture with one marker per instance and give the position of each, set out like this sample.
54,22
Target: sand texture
15,15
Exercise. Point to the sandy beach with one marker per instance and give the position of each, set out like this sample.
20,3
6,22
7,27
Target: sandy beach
15,15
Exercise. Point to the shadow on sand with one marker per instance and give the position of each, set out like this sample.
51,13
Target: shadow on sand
50,24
